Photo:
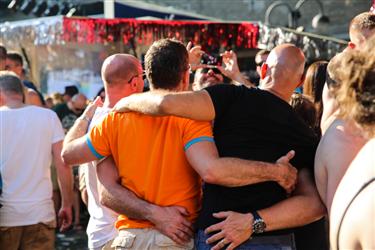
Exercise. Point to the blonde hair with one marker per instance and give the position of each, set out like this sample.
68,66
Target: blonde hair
356,95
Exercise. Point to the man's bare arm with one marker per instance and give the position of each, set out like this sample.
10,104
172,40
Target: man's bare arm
231,70
302,208
233,172
76,150
320,170
65,181
193,105
170,221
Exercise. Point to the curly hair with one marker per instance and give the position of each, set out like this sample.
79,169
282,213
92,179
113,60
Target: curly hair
356,95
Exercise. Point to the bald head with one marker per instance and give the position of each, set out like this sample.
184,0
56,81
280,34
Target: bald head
79,102
119,68
285,65
362,27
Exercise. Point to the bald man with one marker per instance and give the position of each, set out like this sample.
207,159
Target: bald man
70,111
122,76
256,124
361,28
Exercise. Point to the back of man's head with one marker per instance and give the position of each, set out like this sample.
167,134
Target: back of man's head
284,67
305,108
15,57
361,28
10,84
119,68
166,61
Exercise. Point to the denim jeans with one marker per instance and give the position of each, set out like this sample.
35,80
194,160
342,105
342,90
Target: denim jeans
279,242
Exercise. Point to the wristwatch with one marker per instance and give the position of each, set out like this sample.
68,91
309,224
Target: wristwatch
259,226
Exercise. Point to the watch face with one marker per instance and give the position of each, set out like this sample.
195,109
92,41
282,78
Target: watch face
259,226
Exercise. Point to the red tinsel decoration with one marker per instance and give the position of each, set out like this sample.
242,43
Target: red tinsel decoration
210,35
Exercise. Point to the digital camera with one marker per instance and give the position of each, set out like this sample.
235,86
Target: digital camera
211,60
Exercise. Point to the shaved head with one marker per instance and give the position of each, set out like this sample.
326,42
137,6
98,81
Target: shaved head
119,68
362,27
79,101
286,64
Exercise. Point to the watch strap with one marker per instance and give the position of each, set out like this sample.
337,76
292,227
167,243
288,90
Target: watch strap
256,216
259,226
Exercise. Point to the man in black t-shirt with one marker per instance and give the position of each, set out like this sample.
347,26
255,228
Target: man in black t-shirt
256,124
70,111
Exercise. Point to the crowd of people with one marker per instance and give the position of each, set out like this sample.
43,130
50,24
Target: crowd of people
201,165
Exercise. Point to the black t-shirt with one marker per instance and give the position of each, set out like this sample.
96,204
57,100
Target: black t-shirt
66,116
253,124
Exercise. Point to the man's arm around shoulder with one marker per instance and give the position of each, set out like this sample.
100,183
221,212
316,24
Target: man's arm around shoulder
193,105
233,172
77,148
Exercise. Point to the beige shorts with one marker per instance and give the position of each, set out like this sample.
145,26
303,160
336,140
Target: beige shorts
147,238
32,237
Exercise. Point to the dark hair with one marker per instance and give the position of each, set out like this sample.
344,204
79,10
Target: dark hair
315,79
14,56
9,82
165,62
99,93
305,108
3,52
71,90
313,86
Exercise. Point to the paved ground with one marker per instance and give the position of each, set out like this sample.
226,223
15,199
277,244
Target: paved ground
73,239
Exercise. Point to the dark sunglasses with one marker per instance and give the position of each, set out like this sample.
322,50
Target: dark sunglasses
215,70
143,74
80,110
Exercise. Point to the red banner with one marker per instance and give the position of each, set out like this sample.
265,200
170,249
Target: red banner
210,35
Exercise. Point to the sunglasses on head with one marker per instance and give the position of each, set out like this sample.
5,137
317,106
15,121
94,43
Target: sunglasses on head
215,70
143,75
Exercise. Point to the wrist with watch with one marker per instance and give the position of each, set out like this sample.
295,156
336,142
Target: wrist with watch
84,118
259,226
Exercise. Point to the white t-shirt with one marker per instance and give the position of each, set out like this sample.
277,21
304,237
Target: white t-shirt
101,227
26,136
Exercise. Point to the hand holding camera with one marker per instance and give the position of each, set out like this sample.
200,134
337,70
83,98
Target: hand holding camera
195,54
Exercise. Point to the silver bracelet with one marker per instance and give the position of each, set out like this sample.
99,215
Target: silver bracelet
84,117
